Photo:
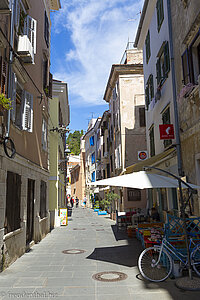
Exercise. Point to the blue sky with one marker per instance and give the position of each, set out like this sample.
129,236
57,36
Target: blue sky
87,37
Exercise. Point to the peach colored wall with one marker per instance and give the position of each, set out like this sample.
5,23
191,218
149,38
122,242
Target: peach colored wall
29,144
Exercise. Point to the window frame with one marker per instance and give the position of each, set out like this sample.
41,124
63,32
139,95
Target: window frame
163,64
149,91
166,120
152,141
148,47
160,14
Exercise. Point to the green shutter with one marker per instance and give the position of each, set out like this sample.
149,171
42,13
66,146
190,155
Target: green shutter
147,96
151,86
166,59
158,71
148,50
160,14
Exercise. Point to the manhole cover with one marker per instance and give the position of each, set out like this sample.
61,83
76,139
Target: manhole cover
78,228
100,230
109,276
73,251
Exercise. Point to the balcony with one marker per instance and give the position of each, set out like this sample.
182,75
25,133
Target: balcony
25,49
5,6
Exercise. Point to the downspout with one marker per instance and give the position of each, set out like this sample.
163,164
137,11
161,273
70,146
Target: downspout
10,64
174,95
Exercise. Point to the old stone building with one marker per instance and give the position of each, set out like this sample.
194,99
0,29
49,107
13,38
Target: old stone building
25,28
186,41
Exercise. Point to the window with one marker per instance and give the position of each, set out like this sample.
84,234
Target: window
13,200
3,76
43,196
149,91
163,64
93,177
46,29
191,61
93,158
134,194
142,116
30,26
152,144
44,134
27,113
92,141
160,13
22,103
147,46
166,120
45,76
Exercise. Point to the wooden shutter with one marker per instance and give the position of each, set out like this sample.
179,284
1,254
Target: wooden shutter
46,29
151,86
50,85
160,13
158,71
17,14
148,50
147,96
27,116
166,59
185,67
13,95
3,76
30,28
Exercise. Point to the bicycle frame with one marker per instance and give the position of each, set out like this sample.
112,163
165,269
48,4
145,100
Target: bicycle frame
166,245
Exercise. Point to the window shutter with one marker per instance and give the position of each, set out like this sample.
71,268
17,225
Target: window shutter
158,14
13,95
17,14
3,77
166,59
158,71
147,97
27,115
148,50
185,67
151,86
30,28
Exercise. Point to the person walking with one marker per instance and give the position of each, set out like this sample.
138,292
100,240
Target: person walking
72,202
77,201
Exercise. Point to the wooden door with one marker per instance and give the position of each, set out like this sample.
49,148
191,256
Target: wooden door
30,211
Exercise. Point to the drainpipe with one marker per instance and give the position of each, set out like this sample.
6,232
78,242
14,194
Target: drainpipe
10,63
174,95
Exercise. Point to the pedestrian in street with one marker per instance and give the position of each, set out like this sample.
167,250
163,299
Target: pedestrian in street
84,201
72,202
77,201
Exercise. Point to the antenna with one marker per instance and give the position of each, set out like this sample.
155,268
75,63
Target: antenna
92,114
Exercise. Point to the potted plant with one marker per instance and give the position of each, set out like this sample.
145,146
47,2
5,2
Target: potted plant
107,201
5,104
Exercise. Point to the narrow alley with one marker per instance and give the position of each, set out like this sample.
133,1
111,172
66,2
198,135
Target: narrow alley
63,265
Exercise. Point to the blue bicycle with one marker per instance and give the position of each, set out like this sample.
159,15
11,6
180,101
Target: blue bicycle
155,263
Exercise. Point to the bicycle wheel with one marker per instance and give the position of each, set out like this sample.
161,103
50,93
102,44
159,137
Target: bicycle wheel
195,259
149,268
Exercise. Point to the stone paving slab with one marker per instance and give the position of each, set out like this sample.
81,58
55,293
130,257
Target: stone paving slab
46,273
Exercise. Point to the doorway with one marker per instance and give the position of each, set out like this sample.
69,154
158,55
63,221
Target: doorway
30,211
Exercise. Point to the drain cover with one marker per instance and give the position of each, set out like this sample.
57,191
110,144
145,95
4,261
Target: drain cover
109,276
78,228
100,230
73,251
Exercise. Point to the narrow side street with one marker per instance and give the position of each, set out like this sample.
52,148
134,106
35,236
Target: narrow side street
47,273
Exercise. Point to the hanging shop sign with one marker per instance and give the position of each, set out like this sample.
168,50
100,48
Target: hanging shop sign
142,155
63,217
166,131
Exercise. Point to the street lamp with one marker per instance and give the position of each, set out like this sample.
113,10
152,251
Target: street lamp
66,154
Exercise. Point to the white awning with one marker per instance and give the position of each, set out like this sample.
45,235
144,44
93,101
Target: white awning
142,180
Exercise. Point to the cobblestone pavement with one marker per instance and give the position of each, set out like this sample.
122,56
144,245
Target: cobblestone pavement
46,272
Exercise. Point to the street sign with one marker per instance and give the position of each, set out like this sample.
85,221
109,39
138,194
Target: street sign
142,155
166,131
63,216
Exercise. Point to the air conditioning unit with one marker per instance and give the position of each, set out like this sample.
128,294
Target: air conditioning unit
5,6
25,49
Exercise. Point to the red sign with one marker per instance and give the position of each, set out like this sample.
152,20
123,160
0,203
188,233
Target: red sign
166,131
